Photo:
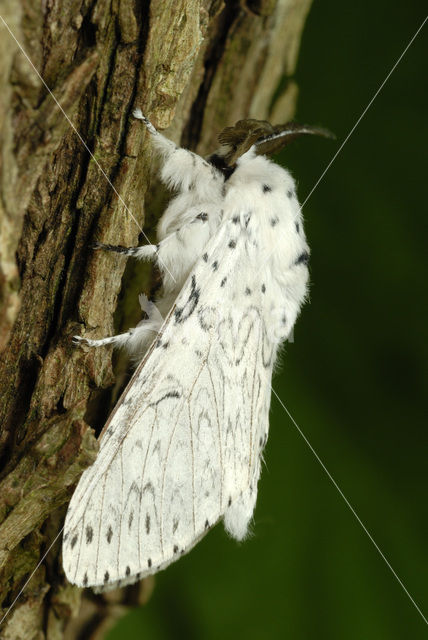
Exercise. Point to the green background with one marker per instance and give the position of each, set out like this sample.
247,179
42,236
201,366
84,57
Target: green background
354,379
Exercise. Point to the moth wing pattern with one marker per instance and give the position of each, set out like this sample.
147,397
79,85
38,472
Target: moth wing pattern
183,446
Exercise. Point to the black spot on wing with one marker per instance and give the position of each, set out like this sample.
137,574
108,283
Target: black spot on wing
267,351
128,570
182,313
297,227
232,244
303,258
207,317
149,562
202,216
263,288
147,523
223,282
267,188
73,542
289,193
205,257
248,291
109,534
274,221
169,394
106,577
89,534
214,265
85,579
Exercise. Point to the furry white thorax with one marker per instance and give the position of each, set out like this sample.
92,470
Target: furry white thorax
203,189
193,422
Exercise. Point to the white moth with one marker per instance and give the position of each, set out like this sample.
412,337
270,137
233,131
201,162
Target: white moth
183,447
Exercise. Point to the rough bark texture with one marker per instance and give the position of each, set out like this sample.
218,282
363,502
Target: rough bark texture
194,66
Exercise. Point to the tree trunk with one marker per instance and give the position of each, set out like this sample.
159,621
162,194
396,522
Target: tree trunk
193,66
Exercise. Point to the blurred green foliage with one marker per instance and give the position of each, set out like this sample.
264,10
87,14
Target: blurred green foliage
354,379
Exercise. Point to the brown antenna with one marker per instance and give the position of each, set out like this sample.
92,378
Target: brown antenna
265,138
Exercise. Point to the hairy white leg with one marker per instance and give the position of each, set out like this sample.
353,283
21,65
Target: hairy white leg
184,164
117,341
162,144
172,242
141,253
137,113
135,340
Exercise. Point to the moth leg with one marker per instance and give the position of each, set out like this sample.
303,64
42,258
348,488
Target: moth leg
135,340
162,145
117,341
182,168
141,253
138,114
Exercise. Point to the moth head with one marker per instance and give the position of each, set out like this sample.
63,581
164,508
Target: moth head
264,138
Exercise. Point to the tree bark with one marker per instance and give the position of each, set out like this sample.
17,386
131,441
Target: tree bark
193,66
